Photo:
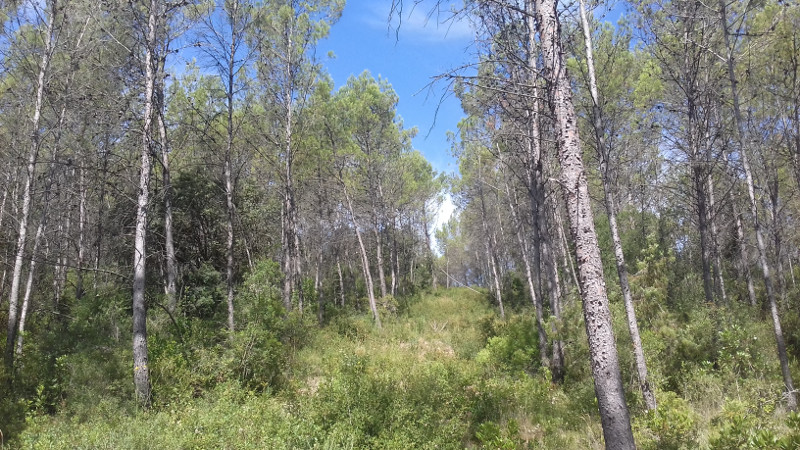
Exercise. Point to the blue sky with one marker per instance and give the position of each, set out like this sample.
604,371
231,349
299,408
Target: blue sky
363,39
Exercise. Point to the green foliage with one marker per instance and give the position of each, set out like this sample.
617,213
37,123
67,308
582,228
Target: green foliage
512,345
672,426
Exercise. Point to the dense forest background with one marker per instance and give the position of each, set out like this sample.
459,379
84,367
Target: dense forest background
233,253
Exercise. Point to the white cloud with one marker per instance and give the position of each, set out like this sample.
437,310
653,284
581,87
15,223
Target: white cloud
422,21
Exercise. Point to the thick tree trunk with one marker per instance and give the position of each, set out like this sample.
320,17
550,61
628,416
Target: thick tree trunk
740,133
141,369
30,177
622,271
602,348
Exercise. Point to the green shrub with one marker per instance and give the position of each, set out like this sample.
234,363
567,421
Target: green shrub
512,345
672,426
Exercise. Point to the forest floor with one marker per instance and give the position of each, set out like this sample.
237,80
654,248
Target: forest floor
444,372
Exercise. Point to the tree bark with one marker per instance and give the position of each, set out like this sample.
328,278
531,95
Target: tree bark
602,348
604,153
169,245
364,258
30,176
227,168
141,369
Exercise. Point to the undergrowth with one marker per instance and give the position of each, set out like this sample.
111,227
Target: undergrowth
444,372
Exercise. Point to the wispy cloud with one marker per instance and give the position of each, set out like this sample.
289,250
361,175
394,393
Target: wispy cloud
422,22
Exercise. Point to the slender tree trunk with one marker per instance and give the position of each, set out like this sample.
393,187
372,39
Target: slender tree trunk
341,280
227,173
378,249
395,261
318,287
537,301
364,259
762,250
141,369
29,287
744,259
79,291
602,349
491,256
715,241
604,152
172,267
569,267
30,176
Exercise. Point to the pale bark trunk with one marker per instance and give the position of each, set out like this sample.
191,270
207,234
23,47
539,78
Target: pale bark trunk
60,267
169,245
614,414
227,172
364,260
622,271
29,285
30,176
291,249
318,287
81,233
395,262
744,259
715,241
341,281
491,256
762,250
141,369
569,267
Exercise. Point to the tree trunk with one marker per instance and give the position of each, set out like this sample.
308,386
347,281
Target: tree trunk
491,256
227,172
605,154
602,348
740,133
169,246
81,233
341,280
537,301
141,369
715,242
364,258
30,176
29,286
